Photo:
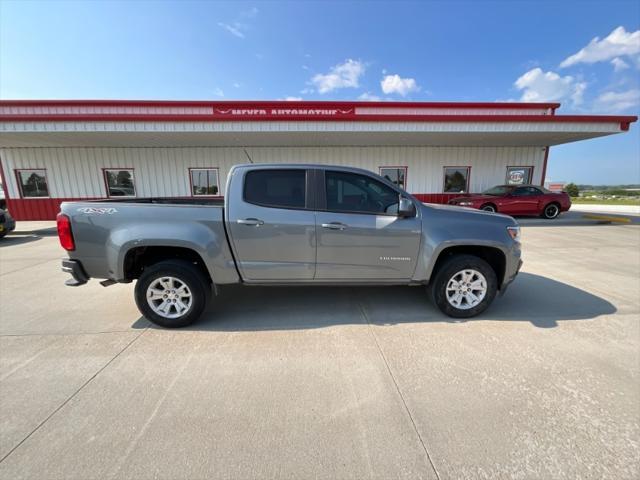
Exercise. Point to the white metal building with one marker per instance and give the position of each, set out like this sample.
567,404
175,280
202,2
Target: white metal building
52,151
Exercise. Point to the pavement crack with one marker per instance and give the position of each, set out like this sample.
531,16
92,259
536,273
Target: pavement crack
29,266
72,395
134,443
393,378
28,361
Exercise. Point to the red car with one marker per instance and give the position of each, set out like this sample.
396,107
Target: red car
517,200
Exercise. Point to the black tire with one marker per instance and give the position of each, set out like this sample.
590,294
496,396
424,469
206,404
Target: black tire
3,234
551,211
185,272
448,270
489,207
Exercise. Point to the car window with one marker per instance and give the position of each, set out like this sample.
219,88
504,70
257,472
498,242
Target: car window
526,191
498,190
276,188
351,192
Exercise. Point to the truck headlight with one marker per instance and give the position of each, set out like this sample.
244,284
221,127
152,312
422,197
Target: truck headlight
465,204
514,232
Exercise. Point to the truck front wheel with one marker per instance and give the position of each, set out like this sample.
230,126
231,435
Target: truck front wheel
464,286
172,293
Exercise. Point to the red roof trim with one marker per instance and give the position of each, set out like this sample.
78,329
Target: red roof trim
624,121
273,104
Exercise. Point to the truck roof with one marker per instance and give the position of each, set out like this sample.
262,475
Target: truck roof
303,165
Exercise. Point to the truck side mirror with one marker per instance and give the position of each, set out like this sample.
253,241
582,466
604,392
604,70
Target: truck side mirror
406,208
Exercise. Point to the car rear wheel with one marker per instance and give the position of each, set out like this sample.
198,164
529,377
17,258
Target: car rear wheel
172,293
551,211
488,207
464,286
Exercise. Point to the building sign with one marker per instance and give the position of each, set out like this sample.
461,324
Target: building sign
518,175
283,112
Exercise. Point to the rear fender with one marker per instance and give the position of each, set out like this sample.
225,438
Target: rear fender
211,247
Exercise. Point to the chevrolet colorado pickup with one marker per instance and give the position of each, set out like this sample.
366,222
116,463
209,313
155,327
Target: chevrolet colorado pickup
289,225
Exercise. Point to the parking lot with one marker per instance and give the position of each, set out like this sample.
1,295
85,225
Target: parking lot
328,383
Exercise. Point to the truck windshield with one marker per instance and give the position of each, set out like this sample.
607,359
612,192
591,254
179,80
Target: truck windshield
498,191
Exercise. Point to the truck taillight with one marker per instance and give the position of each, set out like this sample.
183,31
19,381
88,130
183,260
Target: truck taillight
64,232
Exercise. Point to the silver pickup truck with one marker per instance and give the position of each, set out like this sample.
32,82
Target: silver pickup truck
289,225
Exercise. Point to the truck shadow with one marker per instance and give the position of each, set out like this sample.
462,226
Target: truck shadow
19,239
531,298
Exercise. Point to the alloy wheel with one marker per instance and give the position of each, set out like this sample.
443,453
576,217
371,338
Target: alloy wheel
169,297
466,289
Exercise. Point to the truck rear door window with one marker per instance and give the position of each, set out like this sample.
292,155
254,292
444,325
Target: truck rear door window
276,188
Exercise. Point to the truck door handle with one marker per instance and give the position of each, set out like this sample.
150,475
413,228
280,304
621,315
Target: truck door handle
251,222
334,226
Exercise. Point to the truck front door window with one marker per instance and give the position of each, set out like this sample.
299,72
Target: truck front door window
349,192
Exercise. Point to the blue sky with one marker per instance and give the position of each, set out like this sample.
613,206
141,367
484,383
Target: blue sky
428,51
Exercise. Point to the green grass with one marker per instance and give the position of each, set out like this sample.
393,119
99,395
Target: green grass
605,201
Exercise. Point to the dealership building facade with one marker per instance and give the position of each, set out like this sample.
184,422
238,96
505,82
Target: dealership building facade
55,151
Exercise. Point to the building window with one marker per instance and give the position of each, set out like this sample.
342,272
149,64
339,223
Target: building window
276,188
33,183
456,179
120,182
204,181
397,175
519,175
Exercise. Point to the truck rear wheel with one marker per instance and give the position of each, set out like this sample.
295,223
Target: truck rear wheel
464,286
172,293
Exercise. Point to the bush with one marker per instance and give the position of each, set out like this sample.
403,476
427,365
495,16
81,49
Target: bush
572,189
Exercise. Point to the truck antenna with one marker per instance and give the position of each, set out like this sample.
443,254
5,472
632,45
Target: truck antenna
245,152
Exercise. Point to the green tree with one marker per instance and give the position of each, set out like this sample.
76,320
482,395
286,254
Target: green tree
572,189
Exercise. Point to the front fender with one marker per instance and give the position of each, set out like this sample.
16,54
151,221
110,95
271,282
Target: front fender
446,227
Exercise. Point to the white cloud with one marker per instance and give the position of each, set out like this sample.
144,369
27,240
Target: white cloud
344,75
615,102
235,29
251,13
539,86
578,92
236,85
618,43
399,85
240,26
305,67
292,99
218,92
619,64
369,97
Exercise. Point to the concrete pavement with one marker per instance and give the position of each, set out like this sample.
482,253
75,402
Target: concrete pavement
328,382
617,209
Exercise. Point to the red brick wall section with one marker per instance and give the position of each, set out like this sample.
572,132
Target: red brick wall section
37,208
437,197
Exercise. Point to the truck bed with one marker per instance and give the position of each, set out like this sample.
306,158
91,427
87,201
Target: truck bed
105,230
208,201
